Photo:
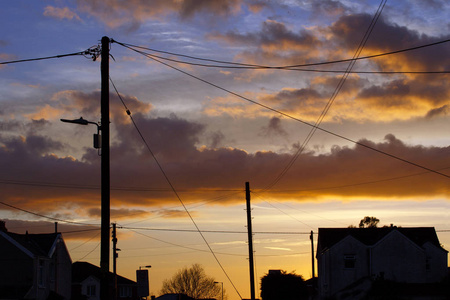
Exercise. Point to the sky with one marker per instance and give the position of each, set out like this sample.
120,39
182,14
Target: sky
197,133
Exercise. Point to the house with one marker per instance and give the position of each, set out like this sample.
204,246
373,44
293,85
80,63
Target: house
34,266
86,283
350,259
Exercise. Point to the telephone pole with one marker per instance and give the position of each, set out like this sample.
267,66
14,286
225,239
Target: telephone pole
312,254
105,171
115,256
250,241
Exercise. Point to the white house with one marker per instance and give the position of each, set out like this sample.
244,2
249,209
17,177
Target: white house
349,259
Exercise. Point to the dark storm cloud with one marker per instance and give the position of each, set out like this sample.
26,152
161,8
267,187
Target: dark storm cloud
136,180
388,36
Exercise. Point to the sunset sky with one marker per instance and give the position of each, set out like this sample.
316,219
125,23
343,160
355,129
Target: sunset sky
381,148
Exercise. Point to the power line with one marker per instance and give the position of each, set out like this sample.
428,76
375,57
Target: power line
214,231
296,67
292,117
332,98
117,188
173,187
47,217
91,53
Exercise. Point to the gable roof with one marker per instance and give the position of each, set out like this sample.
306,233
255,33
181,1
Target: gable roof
328,237
82,270
34,244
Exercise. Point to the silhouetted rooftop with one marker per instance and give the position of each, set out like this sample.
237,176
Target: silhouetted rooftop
82,270
38,244
370,236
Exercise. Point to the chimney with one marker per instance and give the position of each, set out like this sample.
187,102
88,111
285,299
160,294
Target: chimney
3,226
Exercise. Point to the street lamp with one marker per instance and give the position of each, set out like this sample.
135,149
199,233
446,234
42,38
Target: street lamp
216,282
81,121
148,267
105,197
143,282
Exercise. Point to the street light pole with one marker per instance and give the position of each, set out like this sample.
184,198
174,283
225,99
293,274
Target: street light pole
105,171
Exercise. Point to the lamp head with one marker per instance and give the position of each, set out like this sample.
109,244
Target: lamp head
79,121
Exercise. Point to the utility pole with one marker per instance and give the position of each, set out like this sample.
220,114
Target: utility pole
115,255
312,257
250,241
105,171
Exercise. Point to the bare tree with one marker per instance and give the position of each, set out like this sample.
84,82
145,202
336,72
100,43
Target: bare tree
368,222
193,282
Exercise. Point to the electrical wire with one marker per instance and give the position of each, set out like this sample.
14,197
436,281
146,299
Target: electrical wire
234,65
117,188
173,187
47,217
332,98
292,117
92,52
89,252
215,231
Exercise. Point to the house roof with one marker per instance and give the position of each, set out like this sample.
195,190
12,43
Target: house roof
82,270
370,236
37,244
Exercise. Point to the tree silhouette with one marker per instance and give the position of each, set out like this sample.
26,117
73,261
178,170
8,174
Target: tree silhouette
193,282
368,222
279,284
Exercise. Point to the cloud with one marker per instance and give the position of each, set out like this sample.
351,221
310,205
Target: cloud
39,181
118,13
437,112
61,13
274,128
70,231
275,42
328,7
218,8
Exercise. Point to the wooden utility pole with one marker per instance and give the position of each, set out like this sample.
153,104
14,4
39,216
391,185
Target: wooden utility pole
105,171
250,241
115,255
312,256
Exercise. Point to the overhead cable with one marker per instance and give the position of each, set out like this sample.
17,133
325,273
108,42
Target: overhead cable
289,116
47,217
332,98
296,67
91,53
172,186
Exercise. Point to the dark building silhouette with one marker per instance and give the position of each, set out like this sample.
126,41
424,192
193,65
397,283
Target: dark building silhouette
350,260
34,266
86,283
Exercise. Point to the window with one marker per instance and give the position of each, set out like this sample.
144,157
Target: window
349,261
125,291
90,290
41,273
